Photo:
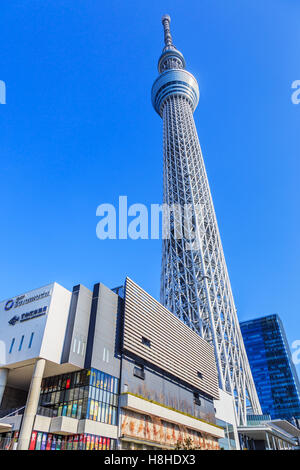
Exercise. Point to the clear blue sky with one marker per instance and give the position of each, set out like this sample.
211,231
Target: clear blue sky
79,130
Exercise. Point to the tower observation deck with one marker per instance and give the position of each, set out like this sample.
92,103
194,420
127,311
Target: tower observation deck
195,284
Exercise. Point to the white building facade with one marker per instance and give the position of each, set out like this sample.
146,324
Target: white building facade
101,369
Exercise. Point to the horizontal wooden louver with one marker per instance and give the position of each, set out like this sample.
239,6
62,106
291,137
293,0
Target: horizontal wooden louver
174,347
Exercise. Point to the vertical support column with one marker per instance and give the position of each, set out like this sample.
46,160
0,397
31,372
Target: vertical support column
268,442
31,405
3,380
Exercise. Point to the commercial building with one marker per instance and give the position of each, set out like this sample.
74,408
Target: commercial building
108,369
274,373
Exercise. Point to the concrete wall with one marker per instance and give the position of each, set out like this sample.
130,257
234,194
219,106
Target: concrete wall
225,412
103,338
11,334
33,325
100,429
56,324
74,349
225,408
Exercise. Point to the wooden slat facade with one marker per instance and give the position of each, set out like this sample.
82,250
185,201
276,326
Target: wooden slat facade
174,347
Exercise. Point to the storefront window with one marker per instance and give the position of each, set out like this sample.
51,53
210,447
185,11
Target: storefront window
48,441
87,394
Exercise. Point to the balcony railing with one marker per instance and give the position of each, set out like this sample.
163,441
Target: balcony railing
12,412
49,412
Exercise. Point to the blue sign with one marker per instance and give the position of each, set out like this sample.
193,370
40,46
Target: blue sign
14,320
9,304
28,316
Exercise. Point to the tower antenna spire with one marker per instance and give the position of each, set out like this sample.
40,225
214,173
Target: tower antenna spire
166,20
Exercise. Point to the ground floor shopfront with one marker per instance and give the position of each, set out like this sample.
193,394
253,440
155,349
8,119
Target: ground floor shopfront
84,410
48,441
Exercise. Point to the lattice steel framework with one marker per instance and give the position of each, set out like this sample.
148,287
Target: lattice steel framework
194,281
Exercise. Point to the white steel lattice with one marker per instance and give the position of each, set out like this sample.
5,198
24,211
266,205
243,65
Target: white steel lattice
194,282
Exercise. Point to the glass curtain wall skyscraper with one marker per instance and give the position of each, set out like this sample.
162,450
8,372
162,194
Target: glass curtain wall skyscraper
194,281
274,373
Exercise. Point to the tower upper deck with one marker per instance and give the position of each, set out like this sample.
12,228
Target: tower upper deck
173,78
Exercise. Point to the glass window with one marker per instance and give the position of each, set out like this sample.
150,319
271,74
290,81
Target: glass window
106,413
63,381
98,381
59,383
116,385
108,383
77,378
102,380
105,382
76,393
99,411
74,409
79,409
69,443
67,395
95,416
54,383
38,441
114,416
92,377
69,409
84,407
109,417
64,443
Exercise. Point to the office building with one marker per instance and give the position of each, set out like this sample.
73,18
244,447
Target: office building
274,373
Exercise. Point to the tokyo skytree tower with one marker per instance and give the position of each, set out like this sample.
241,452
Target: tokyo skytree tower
195,284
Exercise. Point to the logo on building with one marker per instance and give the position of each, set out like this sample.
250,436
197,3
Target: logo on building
28,316
14,320
9,304
23,300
